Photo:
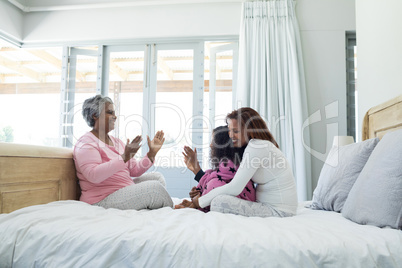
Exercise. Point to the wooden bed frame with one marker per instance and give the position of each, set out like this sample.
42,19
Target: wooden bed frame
383,118
33,175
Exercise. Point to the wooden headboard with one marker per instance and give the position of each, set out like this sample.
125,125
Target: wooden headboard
383,118
33,175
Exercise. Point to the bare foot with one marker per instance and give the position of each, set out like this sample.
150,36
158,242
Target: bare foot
185,204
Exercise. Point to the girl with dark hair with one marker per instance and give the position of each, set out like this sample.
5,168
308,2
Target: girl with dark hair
262,162
224,162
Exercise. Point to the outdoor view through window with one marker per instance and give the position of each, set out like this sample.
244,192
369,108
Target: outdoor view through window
31,102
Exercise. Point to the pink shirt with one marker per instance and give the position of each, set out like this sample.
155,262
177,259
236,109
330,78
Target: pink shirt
101,169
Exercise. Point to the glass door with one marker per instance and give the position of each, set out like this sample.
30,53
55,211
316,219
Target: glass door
124,78
176,108
79,82
220,87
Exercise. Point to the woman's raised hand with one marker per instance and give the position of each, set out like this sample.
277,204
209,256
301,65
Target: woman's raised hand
190,159
155,144
131,148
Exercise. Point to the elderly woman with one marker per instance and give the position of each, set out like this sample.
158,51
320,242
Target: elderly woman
105,164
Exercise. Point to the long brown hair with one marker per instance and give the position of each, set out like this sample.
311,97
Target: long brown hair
252,124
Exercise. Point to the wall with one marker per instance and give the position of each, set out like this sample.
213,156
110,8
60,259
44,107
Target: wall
142,22
323,24
11,21
379,43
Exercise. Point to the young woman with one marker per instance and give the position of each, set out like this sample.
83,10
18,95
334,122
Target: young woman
105,164
222,159
264,163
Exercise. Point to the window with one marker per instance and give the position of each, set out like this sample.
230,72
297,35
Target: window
219,88
185,89
29,94
125,79
351,77
79,82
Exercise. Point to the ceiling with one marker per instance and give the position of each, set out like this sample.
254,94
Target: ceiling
51,5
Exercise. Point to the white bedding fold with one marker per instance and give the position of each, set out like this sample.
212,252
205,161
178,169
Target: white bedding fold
75,234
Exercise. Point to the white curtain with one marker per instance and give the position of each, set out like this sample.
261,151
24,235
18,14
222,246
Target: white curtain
271,80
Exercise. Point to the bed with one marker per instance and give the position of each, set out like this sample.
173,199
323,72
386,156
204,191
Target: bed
43,225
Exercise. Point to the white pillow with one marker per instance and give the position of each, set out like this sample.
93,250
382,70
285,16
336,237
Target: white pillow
339,173
376,197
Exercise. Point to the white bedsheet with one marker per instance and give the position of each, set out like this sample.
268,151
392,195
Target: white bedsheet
75,234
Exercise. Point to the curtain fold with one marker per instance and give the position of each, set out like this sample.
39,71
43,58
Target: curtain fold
271,80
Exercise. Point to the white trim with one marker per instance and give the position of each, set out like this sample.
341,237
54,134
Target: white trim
149,106
146,93
63,98
198,98
212,87
18,4
113,4
235,72
139,41
80,51
100,83
10,39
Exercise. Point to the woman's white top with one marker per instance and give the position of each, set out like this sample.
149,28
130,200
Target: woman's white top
266,165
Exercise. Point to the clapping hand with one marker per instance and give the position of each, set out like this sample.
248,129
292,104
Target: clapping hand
131,148
155,144
194,192
190,159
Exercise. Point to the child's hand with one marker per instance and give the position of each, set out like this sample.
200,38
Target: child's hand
194,192
190,159
195,202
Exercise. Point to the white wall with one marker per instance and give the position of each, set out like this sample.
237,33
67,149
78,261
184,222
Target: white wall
323,25
184,20
11,21
379,52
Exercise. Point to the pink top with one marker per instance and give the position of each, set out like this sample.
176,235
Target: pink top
221,176
101,169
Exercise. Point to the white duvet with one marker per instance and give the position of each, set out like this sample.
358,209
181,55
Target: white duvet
75,234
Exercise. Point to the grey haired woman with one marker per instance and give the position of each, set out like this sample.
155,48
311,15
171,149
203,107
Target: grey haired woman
105,165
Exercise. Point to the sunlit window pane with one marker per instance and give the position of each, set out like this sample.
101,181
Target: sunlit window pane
223,77
29,95
174,103
126,81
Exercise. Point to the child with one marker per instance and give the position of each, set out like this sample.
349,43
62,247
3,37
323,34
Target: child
224,164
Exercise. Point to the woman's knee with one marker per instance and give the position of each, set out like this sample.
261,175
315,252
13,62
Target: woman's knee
159,177
220,199
160,193
157,187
